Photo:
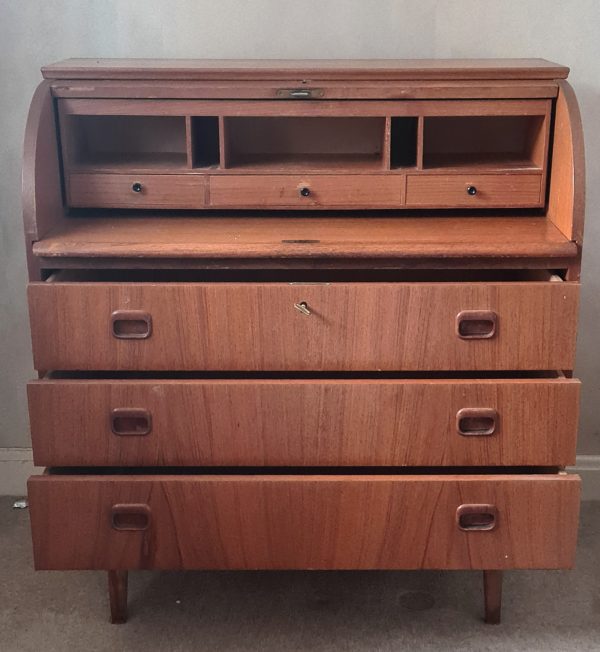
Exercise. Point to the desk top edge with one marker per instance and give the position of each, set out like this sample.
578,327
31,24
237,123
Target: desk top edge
306,69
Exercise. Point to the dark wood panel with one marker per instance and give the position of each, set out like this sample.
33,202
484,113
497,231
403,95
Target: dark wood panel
303,522
304,422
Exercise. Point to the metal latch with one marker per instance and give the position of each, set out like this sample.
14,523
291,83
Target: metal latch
299,93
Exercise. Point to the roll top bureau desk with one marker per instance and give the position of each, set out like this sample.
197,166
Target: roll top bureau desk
304,315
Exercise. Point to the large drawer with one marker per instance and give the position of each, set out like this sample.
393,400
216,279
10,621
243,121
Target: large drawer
358,422
311,522
282,326
474,190
307,190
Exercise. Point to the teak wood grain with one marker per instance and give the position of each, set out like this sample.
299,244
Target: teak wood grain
332,90
41,189
257,326
256,191
117,591
304,422
492,190
302,108
567,189
157,191
290,155
336,236
404,136
300,522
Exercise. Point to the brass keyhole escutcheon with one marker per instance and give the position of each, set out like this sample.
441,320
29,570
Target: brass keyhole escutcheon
302,307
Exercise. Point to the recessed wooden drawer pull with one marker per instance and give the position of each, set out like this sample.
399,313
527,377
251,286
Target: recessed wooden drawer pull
476,422
131,324
477,517
130,421
476,324
130,516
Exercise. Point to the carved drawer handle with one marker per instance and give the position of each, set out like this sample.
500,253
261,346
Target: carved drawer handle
130,324
477,518
130,421
476,324
127,517
476,422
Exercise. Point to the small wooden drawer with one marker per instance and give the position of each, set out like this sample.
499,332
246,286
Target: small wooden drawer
303,521
474,190
282,326
136,190
304,422
307,191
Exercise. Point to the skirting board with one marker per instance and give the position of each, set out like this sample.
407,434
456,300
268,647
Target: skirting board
16,465
588,467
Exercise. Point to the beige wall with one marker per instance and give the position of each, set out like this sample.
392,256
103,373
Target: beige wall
34,32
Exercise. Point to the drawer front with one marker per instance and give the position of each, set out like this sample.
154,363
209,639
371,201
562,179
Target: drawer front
304,422
350,326
304,522
474,190
137,190
307,191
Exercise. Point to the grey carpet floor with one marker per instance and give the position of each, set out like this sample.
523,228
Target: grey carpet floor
281,611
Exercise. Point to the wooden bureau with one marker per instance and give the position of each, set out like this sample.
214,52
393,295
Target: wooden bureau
304,315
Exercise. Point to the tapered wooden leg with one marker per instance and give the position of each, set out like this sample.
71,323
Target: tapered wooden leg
117,592
492,595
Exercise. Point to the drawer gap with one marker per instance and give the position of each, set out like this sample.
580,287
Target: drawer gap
290,375
300,276
302,470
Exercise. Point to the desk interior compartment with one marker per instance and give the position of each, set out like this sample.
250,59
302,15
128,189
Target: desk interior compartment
320,143
124,143
490,142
